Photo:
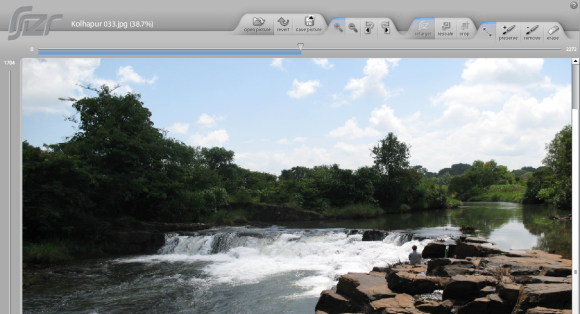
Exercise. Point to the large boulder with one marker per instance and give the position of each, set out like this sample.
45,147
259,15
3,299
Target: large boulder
400,304
555,296
449,267
466,287
363,288
374,235
434,250
332,302
491,304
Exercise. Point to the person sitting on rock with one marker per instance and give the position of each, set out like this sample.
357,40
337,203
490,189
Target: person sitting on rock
414,257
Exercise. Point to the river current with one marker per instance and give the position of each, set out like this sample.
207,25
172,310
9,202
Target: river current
279,269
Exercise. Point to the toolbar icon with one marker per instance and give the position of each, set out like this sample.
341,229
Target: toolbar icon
554,29
508,29
369,26
258,21
489,34
352,27
386,27
446,25
423,25
283,22
464,25
337,26
309,20
532,29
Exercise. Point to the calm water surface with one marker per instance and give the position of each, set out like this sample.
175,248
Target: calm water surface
280,269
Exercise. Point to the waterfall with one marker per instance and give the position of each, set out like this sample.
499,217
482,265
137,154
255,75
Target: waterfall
317,256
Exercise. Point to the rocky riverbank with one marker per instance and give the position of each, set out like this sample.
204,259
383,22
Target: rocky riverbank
479,279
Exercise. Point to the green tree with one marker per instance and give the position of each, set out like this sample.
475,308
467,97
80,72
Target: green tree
397,179
553,184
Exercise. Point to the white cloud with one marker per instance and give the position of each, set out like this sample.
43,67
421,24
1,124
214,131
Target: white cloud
384,119
127,74
179,128
323,63
215,138
45,80
372,85
338,100
492,81
277,63
303,89
208,121
287,142
351,130
381,121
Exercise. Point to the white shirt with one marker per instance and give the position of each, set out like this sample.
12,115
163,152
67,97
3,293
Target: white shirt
414,258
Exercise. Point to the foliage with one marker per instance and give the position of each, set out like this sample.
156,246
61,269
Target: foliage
500,193
354,211
553,183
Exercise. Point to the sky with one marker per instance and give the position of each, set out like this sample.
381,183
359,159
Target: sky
279,113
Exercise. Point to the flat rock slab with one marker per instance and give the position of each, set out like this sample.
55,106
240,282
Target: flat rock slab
476,240
525,266
542,279
434,307
510,292
412,283
491,304
332,302
400,304
556,296
543,310
463,250
467,287
363,288
449,267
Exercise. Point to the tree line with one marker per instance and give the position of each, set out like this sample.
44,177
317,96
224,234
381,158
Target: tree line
117,165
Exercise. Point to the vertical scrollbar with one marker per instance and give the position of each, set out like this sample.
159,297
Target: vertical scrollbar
575,185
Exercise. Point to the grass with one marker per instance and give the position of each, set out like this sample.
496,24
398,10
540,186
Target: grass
501,193
354,211
468,226
453,203
54,251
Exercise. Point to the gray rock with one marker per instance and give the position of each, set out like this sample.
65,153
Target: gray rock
434,250
466,287
332,302
374,235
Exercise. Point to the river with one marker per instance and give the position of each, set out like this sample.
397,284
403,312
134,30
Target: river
280,269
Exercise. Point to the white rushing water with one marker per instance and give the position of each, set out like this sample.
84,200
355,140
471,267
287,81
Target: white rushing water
239,256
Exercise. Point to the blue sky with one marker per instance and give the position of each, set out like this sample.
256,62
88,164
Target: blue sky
280,113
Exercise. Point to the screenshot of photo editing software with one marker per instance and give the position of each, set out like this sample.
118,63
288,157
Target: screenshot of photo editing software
306,157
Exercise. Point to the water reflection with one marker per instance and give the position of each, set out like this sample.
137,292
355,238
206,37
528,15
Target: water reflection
509,225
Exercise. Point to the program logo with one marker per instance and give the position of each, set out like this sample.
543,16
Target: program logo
20,24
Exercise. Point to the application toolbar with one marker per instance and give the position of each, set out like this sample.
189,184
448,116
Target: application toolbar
372,29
